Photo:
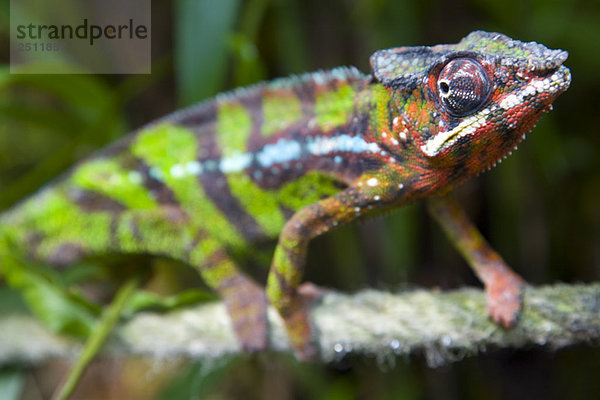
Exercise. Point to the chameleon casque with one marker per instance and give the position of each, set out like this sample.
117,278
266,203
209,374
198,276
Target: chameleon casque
294,158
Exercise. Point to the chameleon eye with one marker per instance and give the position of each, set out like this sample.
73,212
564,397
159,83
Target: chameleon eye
463,86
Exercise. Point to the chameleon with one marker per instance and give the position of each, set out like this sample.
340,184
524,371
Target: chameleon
293,158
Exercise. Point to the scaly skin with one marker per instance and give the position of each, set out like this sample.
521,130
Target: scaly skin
295,158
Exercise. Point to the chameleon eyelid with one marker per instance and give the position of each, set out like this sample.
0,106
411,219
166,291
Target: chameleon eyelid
463,86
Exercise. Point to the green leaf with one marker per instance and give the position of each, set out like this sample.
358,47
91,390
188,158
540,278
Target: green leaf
11,384
86,94
198,380
202,28
106,324
143,300
290,39
249,68
46,124
11,302
60,311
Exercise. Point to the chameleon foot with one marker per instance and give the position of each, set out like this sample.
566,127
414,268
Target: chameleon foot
246,304
504,298
296,317
311,293
300,333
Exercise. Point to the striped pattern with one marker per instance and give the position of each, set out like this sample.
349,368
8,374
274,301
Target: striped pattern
218,176
320,150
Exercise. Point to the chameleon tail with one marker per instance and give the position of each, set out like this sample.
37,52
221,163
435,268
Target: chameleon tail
51,229
58,309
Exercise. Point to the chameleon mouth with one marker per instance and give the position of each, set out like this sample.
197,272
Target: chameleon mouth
445,140
539,91
554,90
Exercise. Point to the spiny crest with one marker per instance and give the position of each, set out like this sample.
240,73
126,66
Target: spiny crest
205,109
341,74
532,55
319,77
403,67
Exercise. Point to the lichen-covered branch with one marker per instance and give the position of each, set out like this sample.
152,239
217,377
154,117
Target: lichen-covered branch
444,326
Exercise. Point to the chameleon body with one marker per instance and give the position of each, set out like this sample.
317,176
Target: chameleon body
294,158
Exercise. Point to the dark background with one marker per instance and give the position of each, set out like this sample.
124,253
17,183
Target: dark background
540,208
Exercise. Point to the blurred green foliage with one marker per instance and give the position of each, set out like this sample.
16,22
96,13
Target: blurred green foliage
540,208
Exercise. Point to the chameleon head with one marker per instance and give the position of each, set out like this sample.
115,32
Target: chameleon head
471,103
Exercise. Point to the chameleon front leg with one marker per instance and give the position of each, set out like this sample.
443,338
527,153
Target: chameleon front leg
503,286
290,254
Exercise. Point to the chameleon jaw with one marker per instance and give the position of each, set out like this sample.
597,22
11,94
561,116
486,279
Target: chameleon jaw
548,87
445,139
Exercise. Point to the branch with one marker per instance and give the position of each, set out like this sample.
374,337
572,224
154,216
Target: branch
444,326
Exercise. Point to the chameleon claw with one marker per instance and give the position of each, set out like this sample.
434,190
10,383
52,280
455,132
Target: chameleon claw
311,293
505,299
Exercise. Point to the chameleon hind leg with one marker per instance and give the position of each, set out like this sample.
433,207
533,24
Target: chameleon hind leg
245,300
503,286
